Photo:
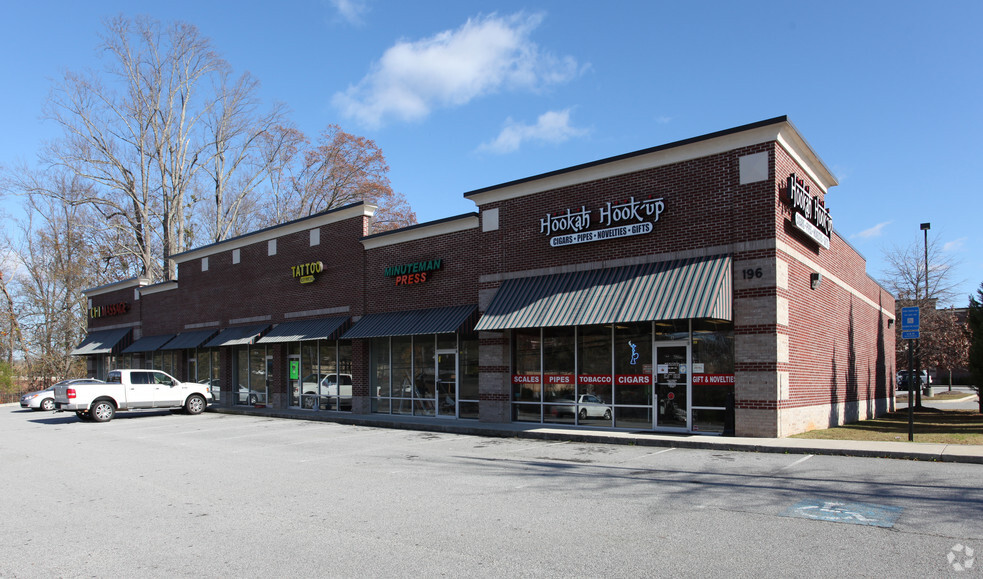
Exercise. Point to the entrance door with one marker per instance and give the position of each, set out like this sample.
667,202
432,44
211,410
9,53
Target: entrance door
671,385
446,383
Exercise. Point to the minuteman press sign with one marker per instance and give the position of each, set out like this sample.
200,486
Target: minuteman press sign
625,219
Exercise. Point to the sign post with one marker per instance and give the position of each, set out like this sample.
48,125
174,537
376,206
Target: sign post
910,328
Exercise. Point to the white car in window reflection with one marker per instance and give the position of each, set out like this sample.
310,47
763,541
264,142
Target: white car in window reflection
585,406
331,385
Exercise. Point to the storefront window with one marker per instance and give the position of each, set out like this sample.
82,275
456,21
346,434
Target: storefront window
527,373
215,375
379,375
633,364
713,373
420,375
424,387
402,363
594,376
258,389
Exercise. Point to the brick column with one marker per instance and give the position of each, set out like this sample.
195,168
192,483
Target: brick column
761,316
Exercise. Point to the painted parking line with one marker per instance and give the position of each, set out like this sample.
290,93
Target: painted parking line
844,512
798,462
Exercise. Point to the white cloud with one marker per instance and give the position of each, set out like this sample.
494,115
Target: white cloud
955,245
350,10
874,231
551,127
485,55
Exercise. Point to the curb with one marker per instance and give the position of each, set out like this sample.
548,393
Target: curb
929,452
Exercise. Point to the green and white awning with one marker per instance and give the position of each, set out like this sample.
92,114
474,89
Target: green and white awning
670,290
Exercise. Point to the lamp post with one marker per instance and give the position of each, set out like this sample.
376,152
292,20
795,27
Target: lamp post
918,367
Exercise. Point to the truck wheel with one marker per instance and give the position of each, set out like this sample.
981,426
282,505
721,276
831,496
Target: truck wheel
195,404
102,411
48,404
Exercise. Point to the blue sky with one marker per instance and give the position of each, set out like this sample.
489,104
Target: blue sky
462,95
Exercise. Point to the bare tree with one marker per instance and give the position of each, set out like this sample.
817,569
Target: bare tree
244,147
54,269
136,137
906,278
339,170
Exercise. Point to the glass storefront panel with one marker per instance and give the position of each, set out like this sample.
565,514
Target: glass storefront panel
526,373
628,417
310,376
594,375
258,388
633,364
713,373
214,377
559,364
708,420
328,386
241,387
345,376
424,381
402,374
379,375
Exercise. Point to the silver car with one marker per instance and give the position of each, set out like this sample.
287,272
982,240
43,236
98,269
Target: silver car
45,399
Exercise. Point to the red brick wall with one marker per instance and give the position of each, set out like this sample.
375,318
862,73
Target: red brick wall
261,284
840,349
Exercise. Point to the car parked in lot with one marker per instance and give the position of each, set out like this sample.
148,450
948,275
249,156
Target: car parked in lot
45,399
925,379
584,406
131,390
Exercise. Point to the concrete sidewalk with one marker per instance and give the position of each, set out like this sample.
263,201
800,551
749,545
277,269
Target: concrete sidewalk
874,449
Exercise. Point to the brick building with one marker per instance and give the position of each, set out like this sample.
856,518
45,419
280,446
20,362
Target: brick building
696,286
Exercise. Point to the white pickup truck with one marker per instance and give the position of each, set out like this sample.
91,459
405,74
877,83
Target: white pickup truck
131,390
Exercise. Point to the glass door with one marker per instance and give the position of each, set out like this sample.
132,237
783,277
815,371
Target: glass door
446,383
672,384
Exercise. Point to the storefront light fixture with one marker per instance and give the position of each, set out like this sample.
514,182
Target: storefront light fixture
815,279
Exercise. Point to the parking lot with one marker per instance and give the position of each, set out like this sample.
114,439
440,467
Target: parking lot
162,495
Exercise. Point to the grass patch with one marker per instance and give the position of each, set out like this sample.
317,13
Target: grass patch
938,426
940,396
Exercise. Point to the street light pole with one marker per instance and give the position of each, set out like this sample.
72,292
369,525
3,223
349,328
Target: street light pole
918,362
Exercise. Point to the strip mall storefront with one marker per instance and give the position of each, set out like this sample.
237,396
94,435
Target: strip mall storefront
697,286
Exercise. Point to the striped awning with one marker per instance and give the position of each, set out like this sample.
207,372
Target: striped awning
103,342
148,344
670,290
189,340
241,336
299,331
413,323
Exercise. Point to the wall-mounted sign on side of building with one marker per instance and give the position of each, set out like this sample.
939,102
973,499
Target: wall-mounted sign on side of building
306,271
810,215
110,310
412,273
625,219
